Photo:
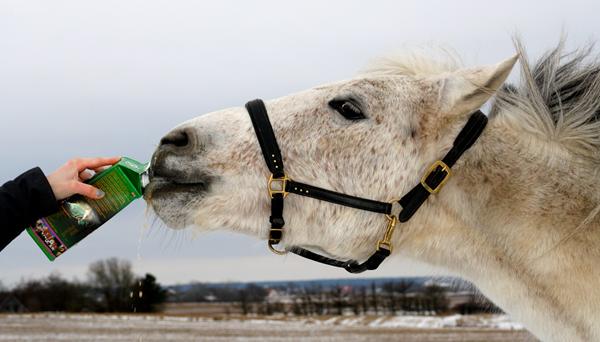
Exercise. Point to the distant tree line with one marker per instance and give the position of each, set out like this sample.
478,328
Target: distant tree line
206,292
111,286
393,297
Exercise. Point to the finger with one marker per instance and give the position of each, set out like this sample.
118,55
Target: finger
88,190
92,163
102,168
86,174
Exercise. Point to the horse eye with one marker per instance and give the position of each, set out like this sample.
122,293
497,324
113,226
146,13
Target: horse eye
348,108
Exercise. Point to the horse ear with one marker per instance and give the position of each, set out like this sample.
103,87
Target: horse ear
466,90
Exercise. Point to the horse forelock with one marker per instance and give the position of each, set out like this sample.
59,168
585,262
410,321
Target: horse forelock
423,61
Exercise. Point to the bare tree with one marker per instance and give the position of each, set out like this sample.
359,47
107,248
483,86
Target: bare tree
339,301
113,279
391,297
364,300
53,293
244,301
436,299
355,302
307,303
374,296
401,288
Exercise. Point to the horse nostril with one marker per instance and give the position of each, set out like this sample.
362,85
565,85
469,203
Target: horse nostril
177,138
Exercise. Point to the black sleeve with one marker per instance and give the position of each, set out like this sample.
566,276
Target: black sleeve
22,201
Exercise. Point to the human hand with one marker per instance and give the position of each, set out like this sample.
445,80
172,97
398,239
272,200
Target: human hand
68,179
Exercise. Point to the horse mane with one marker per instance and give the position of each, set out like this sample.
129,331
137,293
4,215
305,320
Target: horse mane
557,99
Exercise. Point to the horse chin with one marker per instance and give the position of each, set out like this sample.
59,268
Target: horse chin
174,202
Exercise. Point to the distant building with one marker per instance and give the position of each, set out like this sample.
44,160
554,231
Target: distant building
439,283
275,296
10,303
210,298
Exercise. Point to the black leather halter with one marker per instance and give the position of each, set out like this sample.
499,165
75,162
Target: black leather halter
280,185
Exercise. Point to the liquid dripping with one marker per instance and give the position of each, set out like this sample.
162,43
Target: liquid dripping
138,260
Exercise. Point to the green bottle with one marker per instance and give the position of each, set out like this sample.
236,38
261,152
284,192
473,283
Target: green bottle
78,216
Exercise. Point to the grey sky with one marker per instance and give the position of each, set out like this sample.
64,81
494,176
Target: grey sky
111,77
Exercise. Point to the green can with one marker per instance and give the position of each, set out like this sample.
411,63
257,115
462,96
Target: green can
78,216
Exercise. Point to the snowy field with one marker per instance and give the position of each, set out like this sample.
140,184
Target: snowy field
96,327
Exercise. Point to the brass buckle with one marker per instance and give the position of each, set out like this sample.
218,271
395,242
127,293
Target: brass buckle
276,251
386,242
432,168
282,181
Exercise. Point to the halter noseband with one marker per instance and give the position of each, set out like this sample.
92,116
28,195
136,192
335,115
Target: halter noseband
280,185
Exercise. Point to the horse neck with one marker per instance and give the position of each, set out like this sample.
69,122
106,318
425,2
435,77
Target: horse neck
518,201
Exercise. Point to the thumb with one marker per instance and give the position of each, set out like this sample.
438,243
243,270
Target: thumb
88,190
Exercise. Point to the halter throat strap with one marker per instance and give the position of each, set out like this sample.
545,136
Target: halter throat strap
280,185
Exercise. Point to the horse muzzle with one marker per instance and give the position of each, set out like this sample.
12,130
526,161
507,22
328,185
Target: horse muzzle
175,165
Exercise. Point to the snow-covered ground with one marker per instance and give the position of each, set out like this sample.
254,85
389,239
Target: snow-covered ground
501,322
97,327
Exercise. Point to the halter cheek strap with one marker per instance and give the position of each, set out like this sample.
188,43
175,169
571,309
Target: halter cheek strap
280,185
439,172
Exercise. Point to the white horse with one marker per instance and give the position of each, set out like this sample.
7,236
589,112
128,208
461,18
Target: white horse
518,217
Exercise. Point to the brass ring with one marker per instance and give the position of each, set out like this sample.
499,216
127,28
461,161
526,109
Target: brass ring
276,251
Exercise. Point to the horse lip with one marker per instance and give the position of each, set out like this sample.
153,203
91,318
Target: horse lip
164,187
154,178
177,182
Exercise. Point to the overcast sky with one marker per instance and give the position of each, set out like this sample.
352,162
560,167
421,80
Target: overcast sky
82,78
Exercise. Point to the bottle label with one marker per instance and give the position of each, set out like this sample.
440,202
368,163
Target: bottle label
79,216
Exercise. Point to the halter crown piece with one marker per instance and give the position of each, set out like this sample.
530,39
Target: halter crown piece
280,185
